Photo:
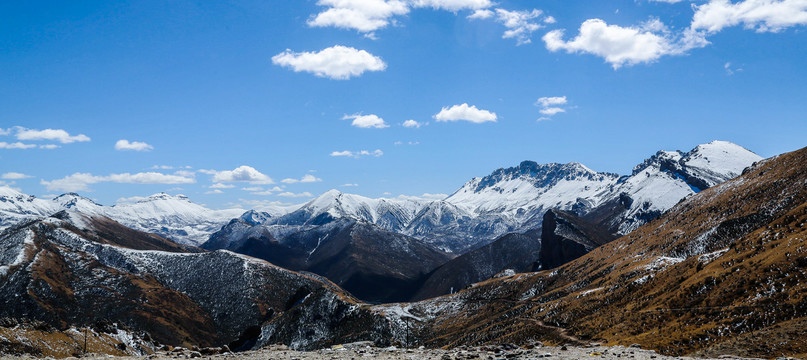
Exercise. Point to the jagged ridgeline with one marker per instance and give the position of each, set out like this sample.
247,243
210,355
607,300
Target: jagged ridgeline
722,272
72,269
490,224
71,262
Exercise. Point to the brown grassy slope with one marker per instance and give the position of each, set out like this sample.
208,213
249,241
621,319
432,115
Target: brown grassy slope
665,285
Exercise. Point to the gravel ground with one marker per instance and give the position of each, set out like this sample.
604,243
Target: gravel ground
362,351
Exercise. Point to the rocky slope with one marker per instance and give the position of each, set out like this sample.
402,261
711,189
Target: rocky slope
74,269
511,252
727,264
565,237
724,271
371,263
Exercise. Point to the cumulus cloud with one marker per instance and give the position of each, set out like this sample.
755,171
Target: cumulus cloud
453,5
367,16
551,111
759,15
130,200
621,46
307,178
357,154
49,146
412,124
214,191
465,112
548,101
520,24
242,173
551,105
123,145
15,145
362,15
366,121
81,181
336,62
221,186
14,176
58,135
482,14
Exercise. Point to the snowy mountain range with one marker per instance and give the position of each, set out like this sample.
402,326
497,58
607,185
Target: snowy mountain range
483,209
515,199
173,216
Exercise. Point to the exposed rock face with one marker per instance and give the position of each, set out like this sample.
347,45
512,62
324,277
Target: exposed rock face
721,270
72,270
565,237
519,252
373,264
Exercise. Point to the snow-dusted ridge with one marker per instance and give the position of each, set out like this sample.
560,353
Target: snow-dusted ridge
515,199
173,216
507,200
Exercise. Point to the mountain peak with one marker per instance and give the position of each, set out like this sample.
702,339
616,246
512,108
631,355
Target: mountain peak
72,200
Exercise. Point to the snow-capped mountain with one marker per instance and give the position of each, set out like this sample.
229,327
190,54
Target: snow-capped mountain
515,199
390,214
174,216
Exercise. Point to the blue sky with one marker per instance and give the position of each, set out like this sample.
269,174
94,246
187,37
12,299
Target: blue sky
224,100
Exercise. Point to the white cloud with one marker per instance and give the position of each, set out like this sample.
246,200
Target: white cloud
519,24
366,121
49,146
129,200
307,178
350,185
124,144
551,111
14,176
362,15
214,191
466,113
336,62
759,15
367,16
621,46
4,131
551,105
49,134
81,181
667,1
221,186
453,5
412,124
357,154
15,145
242,173
481,14
291,194
548,101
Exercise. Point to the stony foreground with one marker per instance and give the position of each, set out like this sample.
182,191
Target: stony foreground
362,351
